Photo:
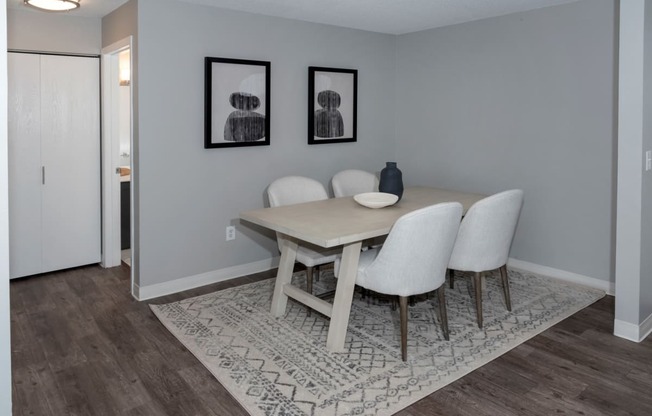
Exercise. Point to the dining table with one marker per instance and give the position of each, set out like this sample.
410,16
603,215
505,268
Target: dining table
333,223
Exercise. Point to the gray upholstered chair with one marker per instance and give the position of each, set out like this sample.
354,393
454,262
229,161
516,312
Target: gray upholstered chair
413,259
352,182
294,190
484,240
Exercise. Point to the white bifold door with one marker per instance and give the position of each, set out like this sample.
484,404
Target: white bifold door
54,162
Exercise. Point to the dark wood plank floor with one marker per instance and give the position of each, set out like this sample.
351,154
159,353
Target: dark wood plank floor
81,345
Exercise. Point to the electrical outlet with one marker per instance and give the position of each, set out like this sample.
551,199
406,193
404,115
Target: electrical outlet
230,233
648,160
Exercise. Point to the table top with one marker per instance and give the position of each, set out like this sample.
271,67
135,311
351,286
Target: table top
337,221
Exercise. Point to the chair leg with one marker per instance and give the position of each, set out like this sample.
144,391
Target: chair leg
505,279
451,278
318,269
442,312
309,286
403,302
309,279
477,282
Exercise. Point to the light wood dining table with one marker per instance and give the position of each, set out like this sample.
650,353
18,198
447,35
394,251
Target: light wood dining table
331,223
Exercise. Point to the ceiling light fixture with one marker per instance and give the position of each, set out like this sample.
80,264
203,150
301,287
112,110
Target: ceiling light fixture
53,5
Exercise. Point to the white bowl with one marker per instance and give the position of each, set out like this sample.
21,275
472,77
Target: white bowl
375,199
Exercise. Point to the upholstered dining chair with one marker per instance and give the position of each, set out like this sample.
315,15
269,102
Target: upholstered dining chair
484,240
413,259
353,181
294,190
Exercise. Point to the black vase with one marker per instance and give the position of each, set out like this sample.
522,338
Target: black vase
391,180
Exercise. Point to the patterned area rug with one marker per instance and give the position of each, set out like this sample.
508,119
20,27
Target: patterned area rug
277,367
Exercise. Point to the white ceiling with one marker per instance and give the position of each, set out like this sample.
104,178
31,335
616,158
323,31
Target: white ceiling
386,16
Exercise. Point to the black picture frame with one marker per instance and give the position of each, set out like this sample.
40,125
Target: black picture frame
334,94
236,102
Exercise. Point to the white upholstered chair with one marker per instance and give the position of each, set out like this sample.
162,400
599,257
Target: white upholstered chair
294,190
352,182
484,240
413,259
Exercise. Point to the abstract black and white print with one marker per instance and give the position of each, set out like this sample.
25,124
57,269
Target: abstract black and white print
332,105
237,103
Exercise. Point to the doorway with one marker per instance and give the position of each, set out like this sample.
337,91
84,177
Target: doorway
117,161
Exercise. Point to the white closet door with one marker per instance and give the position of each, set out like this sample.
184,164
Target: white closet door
24,121
70,154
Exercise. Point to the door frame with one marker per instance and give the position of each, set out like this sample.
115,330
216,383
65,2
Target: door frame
111,247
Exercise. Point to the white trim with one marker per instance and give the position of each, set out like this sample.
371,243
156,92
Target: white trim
608,287
626,330
111,247
110,195
633,332
645,328
5,321
203,279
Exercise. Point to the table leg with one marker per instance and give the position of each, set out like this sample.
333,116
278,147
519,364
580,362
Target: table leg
343,297
284,276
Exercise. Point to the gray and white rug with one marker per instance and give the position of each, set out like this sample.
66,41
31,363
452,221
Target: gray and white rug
277,367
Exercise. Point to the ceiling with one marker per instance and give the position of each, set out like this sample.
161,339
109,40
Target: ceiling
385,16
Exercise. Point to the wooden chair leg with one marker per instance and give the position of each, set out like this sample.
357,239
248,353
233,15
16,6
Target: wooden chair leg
505,280
451,278
318,269
442,312
309,285
309,279
403,303
477,282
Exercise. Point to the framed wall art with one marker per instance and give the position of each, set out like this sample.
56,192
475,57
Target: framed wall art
332,105
236,102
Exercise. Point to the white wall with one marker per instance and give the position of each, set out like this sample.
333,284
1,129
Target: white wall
51,32
188,194
125,125
5,334
520,101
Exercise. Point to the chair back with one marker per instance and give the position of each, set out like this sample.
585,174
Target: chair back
486,232
352,182
415,255
295,190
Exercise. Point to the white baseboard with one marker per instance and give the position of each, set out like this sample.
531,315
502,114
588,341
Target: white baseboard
203,279
645,328
633,332
608,287
622,329
626,330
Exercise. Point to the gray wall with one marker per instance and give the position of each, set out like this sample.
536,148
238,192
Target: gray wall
646,198
51,32
188,194
519,101
116,26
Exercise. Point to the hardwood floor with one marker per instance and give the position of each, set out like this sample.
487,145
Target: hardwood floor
81,345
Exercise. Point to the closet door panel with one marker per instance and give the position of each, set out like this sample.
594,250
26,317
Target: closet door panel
24,135
70,143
